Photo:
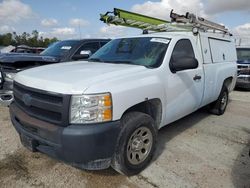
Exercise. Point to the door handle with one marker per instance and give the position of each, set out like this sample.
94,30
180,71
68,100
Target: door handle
196,77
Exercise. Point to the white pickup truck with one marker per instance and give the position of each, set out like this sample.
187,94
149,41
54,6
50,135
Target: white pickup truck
106,111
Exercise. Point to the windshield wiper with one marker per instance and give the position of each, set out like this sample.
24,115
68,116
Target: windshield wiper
128,63
116,62
121,62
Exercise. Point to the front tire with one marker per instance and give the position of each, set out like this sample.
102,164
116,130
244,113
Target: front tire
136,145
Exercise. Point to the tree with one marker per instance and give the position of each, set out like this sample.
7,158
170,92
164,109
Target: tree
25,38
6,39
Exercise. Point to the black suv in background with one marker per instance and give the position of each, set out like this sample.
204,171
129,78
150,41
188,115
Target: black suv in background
62,51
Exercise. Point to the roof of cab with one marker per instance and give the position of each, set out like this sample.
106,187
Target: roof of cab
173,34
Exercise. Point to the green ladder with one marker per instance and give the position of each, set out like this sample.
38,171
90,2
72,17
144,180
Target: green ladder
178,22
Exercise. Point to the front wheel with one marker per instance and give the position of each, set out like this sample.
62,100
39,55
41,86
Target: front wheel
136,144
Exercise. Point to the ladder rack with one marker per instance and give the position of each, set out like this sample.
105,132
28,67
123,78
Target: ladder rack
178,22
198,22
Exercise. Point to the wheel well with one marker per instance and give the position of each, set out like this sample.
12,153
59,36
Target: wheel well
152,107
228,83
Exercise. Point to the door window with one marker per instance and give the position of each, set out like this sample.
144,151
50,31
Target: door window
182,50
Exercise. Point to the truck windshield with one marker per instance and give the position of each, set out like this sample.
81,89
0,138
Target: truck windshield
60,49
145,51
243,54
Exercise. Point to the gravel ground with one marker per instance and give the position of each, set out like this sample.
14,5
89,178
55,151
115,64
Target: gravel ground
200,150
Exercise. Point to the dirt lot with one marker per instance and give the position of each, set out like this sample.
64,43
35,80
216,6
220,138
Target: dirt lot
200,150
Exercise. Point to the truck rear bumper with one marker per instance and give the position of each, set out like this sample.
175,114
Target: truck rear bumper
85,146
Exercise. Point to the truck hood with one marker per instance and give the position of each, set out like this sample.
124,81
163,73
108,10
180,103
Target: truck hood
75,77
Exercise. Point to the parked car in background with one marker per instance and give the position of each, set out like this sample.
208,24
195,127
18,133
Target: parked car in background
27,49
62,51
6,49
243,55
21,49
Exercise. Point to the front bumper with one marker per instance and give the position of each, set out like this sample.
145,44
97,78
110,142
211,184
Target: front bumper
243,81
6,97
6,92
85,146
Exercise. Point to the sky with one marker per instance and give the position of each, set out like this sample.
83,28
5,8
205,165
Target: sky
66,19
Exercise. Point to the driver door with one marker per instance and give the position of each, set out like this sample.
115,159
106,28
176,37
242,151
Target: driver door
184,88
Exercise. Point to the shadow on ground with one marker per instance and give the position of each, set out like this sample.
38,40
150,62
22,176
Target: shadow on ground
241,169
34,169
172,130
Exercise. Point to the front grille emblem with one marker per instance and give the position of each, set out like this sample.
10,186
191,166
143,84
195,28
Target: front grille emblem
27,99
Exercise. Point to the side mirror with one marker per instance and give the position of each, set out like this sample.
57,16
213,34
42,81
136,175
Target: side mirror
183,63
84,54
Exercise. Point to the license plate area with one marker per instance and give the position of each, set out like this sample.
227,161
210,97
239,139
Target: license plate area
29,143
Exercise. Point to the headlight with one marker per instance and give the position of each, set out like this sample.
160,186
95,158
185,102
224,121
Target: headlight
91,108
10,75
1,77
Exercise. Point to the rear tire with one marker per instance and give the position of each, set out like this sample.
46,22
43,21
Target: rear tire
219,106
136,144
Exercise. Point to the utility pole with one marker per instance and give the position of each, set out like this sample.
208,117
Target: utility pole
79,29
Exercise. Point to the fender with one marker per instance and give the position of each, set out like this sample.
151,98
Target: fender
127,92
